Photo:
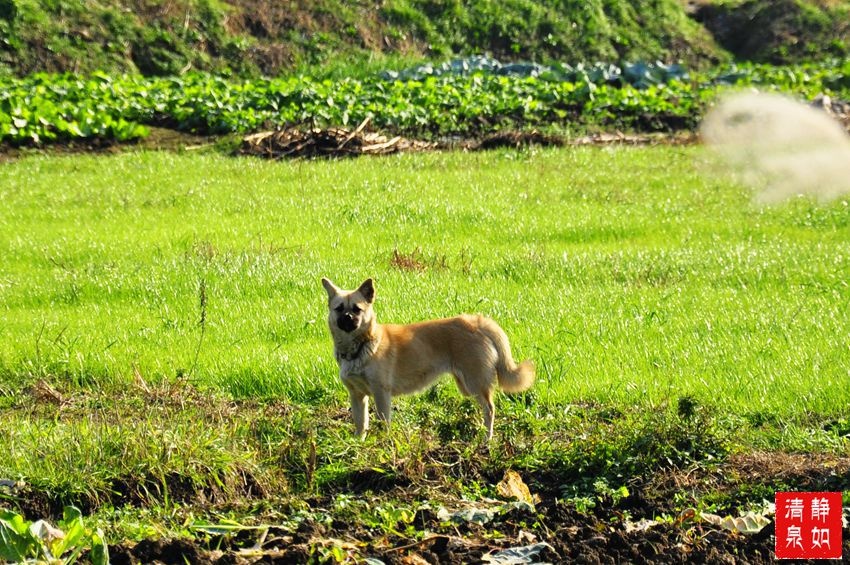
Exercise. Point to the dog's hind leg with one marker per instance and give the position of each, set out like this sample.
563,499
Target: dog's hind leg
360,412
461,384
485,399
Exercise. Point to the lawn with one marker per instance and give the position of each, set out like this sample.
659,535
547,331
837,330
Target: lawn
629,275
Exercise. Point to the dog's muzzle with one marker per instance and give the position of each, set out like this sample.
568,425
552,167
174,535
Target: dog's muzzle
346,322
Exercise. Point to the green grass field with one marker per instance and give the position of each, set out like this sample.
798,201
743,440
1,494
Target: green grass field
165,360
629,275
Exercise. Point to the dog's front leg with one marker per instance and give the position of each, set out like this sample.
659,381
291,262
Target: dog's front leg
383,403
359,412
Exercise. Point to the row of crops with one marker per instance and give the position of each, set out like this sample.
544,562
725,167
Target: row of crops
45,108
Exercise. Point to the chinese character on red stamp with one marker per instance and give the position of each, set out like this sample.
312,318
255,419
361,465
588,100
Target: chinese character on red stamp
808,525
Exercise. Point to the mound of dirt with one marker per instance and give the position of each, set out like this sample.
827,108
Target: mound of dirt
778,31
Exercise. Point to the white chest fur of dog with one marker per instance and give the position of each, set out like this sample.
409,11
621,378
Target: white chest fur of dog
388,360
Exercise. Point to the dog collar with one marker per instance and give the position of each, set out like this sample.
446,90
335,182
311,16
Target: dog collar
356,354
371,343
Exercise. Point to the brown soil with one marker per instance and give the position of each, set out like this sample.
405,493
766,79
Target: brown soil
340,142
158,139
173,140
607,533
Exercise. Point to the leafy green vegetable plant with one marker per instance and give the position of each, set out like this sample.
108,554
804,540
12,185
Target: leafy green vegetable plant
467,100
21,540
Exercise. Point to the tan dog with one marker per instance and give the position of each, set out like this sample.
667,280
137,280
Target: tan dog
388,360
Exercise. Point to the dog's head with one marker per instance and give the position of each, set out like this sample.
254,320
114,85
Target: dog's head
350,311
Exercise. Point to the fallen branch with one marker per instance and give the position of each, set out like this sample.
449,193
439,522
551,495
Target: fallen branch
314,142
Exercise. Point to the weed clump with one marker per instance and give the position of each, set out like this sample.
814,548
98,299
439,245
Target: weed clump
632,447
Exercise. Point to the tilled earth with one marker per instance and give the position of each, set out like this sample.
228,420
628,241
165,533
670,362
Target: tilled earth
625,532
572,537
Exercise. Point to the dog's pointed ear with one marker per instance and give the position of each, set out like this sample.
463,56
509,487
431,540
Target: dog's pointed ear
367,289
332,289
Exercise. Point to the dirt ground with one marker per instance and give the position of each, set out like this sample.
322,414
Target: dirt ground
626,532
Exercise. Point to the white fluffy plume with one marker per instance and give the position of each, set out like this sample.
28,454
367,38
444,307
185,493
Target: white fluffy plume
780,147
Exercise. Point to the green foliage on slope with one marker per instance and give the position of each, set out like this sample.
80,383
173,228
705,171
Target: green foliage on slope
249,36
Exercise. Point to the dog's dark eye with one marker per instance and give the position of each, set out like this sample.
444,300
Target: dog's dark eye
339,308
355,309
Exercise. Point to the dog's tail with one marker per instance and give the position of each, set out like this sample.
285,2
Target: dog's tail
512,377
